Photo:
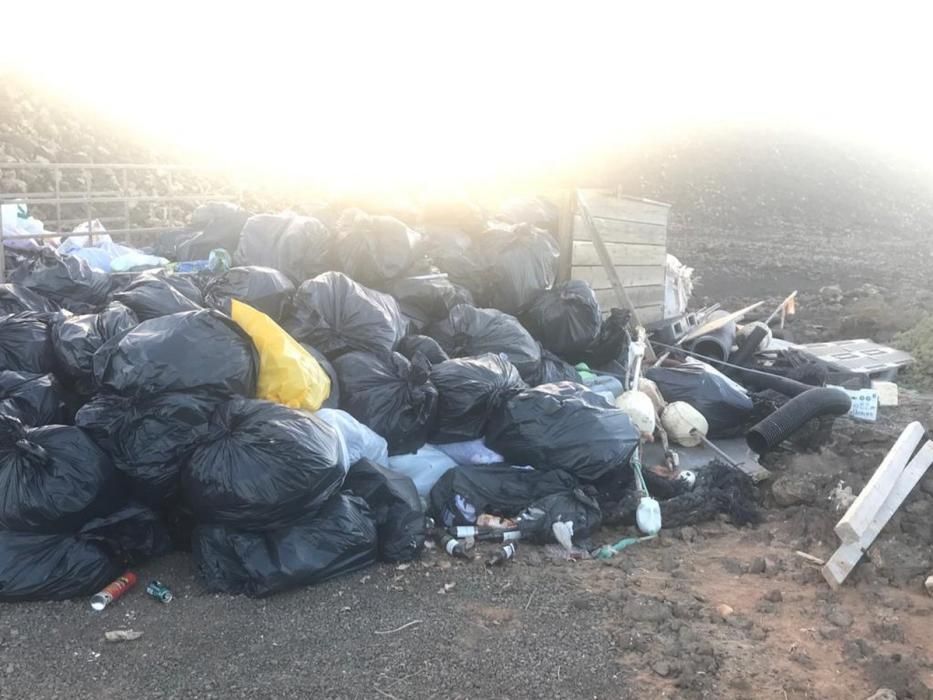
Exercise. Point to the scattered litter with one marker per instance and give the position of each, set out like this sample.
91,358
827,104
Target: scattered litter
809,558
159,591
399,629
122,635
448,587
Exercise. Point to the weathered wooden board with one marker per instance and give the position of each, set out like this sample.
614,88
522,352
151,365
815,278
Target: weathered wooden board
848,555
631,276
609,206
618,231
862,511
622,254
641,297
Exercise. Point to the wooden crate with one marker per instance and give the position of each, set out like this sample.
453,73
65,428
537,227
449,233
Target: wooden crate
635,233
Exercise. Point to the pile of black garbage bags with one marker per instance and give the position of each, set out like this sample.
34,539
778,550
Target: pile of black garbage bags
130,427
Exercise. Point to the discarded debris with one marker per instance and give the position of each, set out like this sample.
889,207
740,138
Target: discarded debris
122,635
400,628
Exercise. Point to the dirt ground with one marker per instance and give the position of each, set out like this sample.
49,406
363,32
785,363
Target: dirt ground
646,624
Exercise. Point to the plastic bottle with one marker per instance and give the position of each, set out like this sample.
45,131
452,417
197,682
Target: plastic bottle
502,554
113,590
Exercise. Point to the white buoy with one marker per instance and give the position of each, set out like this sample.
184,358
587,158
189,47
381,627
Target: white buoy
679,419
640,409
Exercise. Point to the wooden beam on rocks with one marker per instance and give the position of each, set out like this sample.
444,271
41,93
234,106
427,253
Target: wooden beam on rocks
862,511
845,558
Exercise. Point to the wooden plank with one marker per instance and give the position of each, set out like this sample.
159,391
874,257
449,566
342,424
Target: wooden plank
565,233
866,505
649,314
631,276
622,254
606,260
618,231
845,558
609,206
639,296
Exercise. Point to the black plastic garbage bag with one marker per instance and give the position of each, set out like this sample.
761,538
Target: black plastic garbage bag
469,390
261,466
34,399
563,426
425,299
374,249
427,346
15,298
263,288
611,345
149,439
299,246
75,339
469,331
336,315
181,352
536,211
154,295
575,506
566,319
454,254
522,263
219,225
391,395
333,399
395,506
53,478
553,369
338,539
57,567
724,404
64,279
26,343
466,492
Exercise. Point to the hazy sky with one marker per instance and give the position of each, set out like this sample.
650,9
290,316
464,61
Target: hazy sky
394,89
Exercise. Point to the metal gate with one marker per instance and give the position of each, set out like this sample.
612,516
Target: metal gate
113,206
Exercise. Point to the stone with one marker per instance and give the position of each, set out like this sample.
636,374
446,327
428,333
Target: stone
643,609
733,566
839,617
830,633
796,489
757,566
662,668
773,596
883,694
724,610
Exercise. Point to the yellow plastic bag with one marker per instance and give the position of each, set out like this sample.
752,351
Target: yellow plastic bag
288,374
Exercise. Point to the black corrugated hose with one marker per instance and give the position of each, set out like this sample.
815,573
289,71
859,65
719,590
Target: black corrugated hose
793,415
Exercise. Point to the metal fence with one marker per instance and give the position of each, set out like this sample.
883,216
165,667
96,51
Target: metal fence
124,198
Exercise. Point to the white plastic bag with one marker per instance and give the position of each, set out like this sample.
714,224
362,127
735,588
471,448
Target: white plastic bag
361,442
471,452
424,467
